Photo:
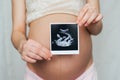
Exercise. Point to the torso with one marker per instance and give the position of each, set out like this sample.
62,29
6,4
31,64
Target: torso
66,67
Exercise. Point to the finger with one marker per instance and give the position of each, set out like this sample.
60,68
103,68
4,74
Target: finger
33,49
98,18
33,43
46,51
91,19
33,46
44,55
85,18
82,13
34,56
28,59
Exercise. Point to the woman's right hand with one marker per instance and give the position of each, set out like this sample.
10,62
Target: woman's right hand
31,51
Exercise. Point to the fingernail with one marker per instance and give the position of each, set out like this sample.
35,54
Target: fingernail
94,21
34,61
49,59
41,58
86,25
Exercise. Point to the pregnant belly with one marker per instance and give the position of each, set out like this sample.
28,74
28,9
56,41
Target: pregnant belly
61,67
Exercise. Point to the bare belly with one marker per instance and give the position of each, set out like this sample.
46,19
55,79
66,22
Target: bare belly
66,67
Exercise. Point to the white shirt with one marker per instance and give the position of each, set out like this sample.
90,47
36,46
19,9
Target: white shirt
40,8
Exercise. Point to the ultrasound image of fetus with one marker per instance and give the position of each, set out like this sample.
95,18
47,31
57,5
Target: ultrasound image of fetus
64,38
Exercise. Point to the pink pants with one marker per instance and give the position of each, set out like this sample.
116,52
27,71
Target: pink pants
89,74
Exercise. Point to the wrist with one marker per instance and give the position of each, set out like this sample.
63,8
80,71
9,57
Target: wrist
21,44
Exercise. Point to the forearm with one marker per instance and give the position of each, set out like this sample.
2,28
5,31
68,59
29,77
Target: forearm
17,38
94,3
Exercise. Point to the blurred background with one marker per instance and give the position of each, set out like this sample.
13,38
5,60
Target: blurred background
106,46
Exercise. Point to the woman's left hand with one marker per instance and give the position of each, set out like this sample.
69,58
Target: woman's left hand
88,14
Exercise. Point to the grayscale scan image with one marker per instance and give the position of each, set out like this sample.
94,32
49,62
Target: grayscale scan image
64,37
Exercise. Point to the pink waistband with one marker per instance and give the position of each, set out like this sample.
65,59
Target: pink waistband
89,73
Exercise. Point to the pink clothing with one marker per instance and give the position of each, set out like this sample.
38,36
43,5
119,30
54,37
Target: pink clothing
89,74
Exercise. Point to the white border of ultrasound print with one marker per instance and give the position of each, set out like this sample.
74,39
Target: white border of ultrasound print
58,52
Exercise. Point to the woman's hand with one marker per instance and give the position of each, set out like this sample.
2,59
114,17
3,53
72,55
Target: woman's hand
89,14
31,51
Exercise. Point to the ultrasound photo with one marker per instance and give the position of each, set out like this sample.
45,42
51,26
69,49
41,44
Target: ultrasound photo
64,37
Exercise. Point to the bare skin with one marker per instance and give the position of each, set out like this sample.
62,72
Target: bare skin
62,65
34,49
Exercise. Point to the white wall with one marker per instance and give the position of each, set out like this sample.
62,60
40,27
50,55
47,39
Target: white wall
106,48
11,65
107,44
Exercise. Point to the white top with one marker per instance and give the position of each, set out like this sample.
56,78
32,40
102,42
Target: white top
40,8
